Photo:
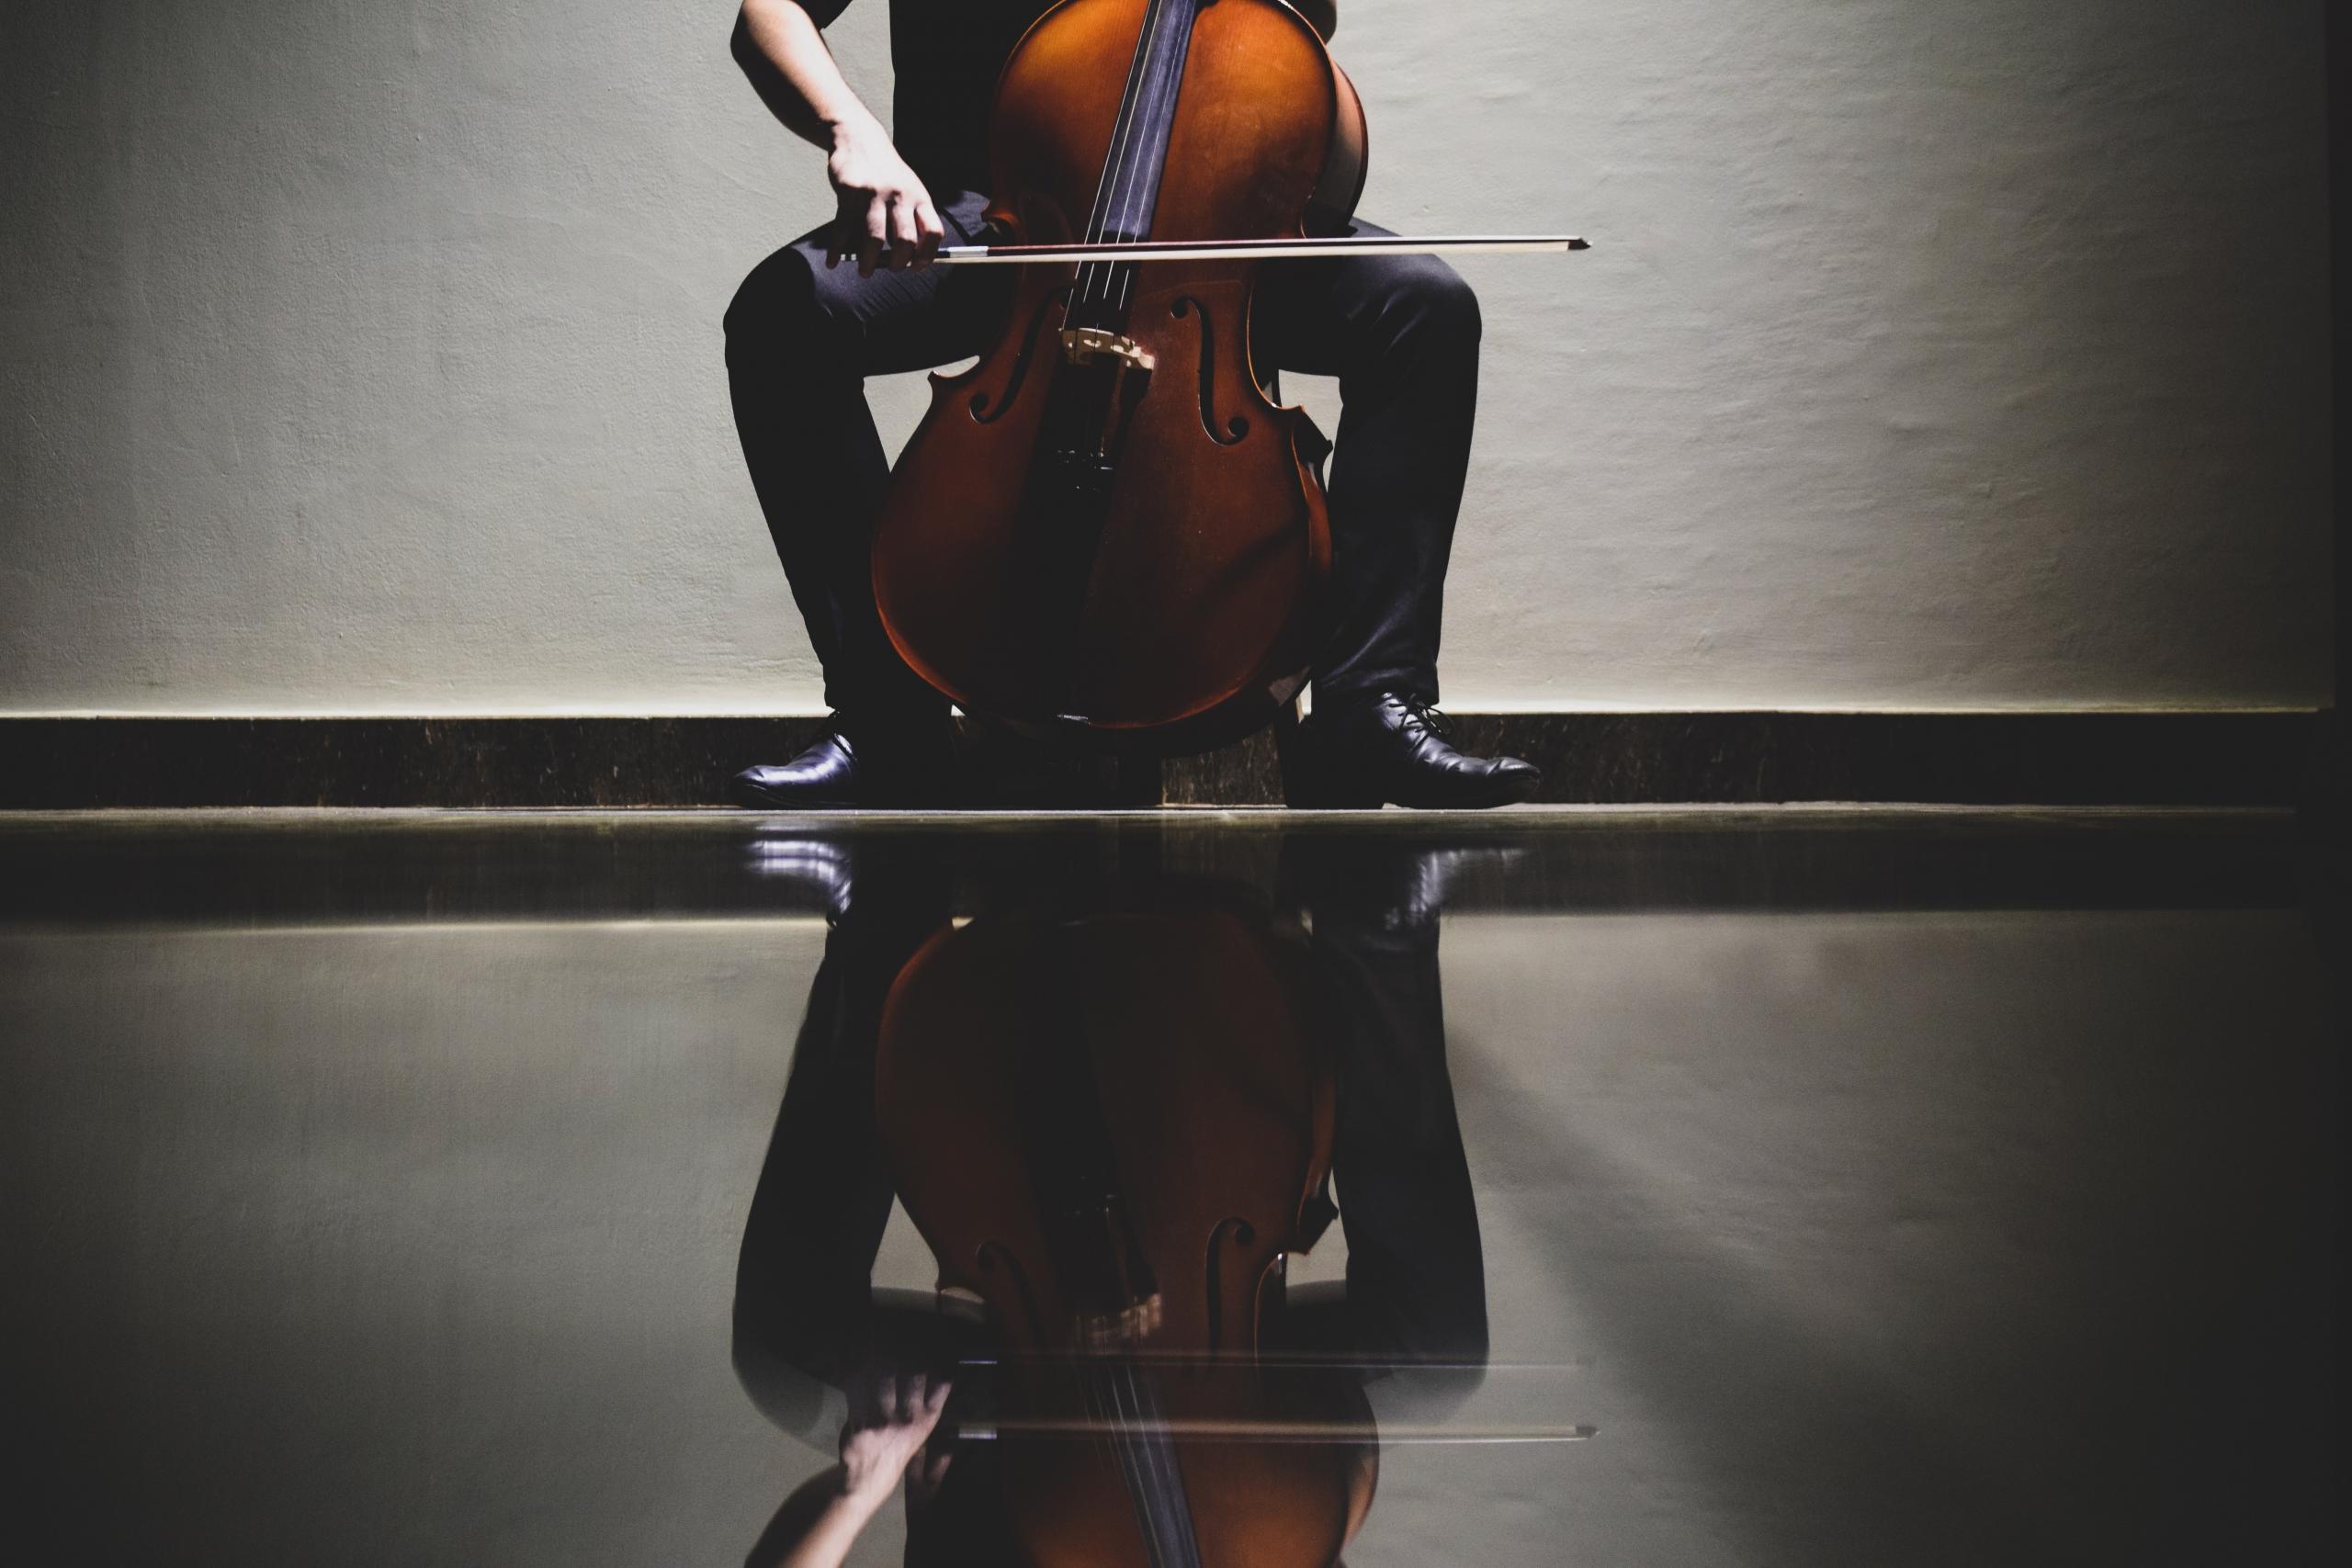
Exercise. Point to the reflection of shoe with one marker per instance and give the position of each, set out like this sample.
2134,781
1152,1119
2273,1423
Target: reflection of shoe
1396,750
820,865
905,765
1390,887
1434,879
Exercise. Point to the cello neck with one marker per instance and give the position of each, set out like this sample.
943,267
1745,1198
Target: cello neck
1128,192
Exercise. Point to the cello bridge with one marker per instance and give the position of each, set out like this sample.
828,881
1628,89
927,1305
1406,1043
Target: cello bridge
1117,369
1131,1324
1093,345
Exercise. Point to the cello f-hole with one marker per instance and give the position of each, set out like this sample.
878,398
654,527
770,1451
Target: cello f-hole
982,412
1236,427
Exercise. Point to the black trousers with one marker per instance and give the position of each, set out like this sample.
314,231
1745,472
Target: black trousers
1399,332
1415,1285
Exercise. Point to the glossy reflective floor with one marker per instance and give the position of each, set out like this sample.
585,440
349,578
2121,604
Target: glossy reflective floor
1779,1188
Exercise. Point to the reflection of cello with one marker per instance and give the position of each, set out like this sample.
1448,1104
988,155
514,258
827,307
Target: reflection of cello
1106,524
1112,1131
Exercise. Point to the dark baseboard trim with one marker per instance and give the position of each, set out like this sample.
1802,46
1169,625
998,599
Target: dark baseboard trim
2064,759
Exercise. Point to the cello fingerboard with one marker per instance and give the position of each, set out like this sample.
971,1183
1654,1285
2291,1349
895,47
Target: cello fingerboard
1129,193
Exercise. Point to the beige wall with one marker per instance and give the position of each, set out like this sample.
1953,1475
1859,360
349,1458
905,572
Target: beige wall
366,358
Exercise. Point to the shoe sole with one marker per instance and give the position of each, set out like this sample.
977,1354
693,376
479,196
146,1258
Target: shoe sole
759,800
1466,800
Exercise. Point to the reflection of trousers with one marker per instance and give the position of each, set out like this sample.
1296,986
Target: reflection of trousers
803,1298
1400,332
1416,1280
1417,1287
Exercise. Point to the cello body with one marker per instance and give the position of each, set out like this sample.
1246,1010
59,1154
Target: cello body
1106,526
1111,1130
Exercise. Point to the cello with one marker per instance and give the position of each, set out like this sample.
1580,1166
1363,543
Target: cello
1111,1128
1106,528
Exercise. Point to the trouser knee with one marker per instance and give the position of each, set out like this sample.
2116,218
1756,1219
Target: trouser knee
777,316
1431,303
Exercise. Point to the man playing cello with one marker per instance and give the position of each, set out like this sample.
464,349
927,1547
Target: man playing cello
855,299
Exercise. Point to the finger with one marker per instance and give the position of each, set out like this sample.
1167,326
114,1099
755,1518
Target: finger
877,232
904,233
886,1398
911,1398
934,1469
928,1405
929,231
837,239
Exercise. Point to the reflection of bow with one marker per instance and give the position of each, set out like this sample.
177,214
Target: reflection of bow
1528,1383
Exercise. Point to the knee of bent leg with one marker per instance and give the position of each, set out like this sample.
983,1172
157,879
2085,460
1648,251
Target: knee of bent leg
778,310
1439,302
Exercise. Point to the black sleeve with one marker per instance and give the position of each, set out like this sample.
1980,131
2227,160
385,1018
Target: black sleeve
823,12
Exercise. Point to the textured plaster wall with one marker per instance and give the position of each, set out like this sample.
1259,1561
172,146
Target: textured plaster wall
1934,353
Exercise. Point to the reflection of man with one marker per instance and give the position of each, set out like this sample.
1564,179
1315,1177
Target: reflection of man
812,1336
1400,332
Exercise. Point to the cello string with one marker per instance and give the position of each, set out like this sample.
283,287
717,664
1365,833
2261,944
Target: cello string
1127,158
1094,231
1163,1454
1126,272
1156,96
1114,163
1099,1400
1104,1399
1099,1420
1157,1519
1140,1483
1146,1458
1131,1462
1113,167
1131,157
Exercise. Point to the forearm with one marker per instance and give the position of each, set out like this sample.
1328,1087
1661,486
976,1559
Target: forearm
818,1524
884,217
781,49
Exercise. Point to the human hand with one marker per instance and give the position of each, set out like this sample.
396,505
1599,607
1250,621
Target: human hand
884,207
925,1476
880,1443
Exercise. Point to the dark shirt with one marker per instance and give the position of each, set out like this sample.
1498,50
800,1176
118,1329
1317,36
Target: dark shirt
946,55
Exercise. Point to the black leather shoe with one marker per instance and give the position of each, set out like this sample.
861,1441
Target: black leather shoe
1395,749
825,775
913,766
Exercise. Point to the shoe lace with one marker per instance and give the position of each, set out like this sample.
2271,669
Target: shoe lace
1432,720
